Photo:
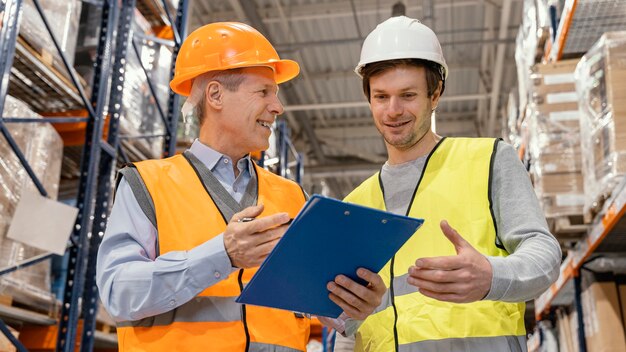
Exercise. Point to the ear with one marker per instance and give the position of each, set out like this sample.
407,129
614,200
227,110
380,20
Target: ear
214,95
434,100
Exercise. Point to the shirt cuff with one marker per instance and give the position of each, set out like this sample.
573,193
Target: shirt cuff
209,263
501,279
343,324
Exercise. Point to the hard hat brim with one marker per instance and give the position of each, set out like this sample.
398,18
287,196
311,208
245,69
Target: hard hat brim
284,70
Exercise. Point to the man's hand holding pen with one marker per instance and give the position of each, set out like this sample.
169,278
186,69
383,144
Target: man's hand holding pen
248,242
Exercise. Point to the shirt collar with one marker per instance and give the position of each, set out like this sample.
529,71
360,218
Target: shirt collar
210,157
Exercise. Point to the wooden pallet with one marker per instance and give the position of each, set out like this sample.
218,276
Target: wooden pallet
39,84
6,300
11,301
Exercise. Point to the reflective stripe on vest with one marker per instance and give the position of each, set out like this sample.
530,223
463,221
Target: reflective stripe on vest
199,309
454,186
263,347
482,344
187,217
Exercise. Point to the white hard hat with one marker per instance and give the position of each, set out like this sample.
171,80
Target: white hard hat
401,37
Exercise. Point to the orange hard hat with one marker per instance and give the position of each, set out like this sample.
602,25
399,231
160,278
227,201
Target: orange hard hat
225,45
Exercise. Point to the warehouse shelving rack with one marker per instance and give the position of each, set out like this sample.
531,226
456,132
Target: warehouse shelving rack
606,235
288,169
99,156
581,24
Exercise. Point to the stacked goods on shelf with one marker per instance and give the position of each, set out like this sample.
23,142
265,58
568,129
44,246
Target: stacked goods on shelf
602,313
5,344
601,86
554,142
63,18
43,149
531,37
567,325
140,114
38,76
154,11
511,129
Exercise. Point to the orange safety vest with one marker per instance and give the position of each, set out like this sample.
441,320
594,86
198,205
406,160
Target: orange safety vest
187,217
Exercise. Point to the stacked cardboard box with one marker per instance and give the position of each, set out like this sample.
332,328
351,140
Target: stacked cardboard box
567,333
554,142
601,86
602,316
63,18
5,344
42,147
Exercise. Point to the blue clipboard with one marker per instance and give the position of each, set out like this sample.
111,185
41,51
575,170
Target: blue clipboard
327,238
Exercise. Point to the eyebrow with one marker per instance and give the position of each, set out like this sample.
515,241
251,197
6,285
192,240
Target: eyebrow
375,90
271,87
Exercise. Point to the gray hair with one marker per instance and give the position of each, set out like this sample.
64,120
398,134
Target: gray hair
196,102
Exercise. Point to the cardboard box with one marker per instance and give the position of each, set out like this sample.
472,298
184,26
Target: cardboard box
567,161
563,183
565,331
562,204
5,344
621,288
573,324
604,331
546,108
555,68
543,89
560,122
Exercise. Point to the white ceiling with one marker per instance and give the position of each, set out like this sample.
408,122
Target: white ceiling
325,107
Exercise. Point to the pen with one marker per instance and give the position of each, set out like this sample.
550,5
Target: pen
250,219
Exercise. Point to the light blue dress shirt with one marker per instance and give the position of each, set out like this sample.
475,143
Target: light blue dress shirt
133,282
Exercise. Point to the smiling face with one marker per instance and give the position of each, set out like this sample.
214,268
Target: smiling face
401,107
246,114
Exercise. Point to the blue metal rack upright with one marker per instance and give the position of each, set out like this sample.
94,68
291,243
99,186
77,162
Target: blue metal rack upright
284,147
97,168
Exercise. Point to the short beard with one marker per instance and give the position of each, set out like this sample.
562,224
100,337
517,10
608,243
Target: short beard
410,140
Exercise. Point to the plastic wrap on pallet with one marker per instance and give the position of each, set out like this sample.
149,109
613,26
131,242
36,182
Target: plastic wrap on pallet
140,112
557,175
63,17
523,70
188,129
554,138
43,148
510,130
601,87
535,28
556,169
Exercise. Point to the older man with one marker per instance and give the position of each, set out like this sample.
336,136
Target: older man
187,233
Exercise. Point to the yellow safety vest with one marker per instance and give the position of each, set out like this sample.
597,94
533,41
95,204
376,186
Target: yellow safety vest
187,217
454,186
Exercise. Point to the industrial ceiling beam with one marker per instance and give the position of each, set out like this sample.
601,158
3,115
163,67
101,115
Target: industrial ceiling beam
498,68
344,41
339,9
488,19
453,68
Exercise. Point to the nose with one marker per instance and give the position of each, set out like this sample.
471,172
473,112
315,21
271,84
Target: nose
276,107
395,107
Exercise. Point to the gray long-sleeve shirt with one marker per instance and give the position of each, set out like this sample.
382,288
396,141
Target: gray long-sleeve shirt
535,255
